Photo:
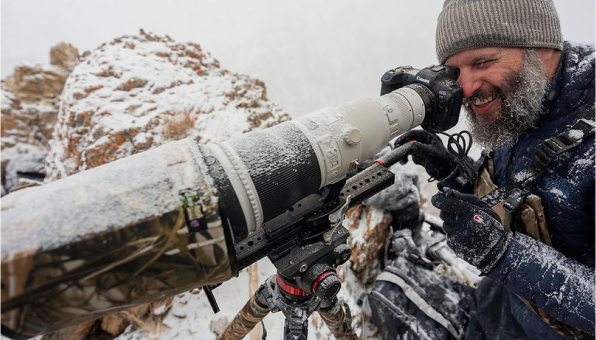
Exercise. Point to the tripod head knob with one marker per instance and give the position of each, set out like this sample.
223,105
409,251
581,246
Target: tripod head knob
327,285
341,254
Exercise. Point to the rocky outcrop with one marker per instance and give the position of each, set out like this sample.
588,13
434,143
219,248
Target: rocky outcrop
30,101
64,55
370,230
140,91
36,83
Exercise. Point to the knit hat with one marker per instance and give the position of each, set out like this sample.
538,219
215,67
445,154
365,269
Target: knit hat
468,24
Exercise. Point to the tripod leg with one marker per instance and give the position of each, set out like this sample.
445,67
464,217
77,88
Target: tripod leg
251,314
339,320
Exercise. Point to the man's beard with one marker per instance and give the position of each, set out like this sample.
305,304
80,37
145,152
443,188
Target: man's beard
521,105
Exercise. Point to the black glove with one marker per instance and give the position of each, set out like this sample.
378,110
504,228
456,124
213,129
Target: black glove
474,230
429,151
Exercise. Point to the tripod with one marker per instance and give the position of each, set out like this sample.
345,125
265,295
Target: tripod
305,282
277,294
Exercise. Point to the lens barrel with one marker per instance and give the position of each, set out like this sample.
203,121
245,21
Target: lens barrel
262,173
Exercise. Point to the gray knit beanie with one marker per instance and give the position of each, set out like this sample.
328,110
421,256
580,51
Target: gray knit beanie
468,24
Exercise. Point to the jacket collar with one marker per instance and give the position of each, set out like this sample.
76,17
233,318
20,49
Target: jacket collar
573,83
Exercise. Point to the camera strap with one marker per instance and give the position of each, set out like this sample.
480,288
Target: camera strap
516,187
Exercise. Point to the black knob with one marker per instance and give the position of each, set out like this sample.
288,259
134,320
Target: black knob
327,286
341,254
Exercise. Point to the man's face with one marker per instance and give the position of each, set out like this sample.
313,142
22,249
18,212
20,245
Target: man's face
483,75
503,91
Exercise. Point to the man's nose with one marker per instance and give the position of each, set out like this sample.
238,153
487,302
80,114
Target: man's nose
469,82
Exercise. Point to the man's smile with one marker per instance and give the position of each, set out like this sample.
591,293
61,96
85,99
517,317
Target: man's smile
485,106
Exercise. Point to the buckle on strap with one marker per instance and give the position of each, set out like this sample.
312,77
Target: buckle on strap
581,129
550,148
515,200
554,146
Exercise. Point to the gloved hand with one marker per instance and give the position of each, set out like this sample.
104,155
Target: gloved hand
474,230
429,152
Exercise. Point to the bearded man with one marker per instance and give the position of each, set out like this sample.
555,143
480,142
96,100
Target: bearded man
522,84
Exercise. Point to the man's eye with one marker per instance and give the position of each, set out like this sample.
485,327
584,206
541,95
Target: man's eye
483,63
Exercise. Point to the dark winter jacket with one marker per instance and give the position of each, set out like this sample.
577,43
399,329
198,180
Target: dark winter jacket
559,281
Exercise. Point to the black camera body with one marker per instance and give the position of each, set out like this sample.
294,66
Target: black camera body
437,85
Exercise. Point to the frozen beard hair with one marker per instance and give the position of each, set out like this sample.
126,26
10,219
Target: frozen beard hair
521,97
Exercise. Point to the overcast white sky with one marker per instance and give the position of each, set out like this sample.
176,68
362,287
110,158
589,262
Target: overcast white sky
310,53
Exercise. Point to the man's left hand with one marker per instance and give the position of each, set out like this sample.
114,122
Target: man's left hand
474,231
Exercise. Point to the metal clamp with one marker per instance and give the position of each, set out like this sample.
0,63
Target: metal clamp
336,218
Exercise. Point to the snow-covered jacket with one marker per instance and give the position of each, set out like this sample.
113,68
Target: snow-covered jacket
559,281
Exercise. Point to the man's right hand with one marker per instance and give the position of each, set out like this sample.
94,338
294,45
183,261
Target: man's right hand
429,151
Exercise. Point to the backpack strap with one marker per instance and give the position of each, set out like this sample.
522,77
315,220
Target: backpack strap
516,187
419,298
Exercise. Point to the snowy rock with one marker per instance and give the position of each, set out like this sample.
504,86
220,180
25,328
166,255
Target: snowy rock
64,55
113,324
369,231
35,83
30,100
160,307
138,92
26,127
